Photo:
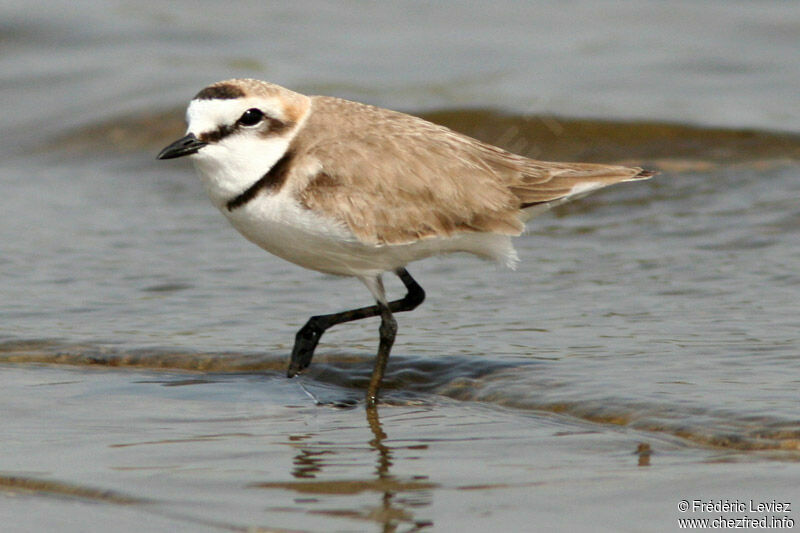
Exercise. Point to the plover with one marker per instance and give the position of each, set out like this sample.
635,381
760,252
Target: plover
355,190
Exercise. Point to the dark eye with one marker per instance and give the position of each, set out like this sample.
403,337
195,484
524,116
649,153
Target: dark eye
251,117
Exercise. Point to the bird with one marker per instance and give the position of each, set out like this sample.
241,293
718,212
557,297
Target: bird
356,190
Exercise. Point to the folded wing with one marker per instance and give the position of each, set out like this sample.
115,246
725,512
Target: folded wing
394,179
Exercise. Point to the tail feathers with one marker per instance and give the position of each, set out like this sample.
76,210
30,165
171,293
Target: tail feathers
557,183
545,188
643,174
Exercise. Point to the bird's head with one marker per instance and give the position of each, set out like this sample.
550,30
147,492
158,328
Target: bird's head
237,130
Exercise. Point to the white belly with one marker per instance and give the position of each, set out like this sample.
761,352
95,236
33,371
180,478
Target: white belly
282,227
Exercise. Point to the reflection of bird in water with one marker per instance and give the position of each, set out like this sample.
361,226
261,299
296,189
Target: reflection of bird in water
398,499
643,451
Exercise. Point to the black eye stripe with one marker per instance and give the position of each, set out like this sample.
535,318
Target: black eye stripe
217,134
270,127
276,126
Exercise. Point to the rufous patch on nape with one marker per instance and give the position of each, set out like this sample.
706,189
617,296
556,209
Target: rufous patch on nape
356,190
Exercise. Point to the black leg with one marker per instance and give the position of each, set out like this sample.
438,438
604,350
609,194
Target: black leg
388,330
306,340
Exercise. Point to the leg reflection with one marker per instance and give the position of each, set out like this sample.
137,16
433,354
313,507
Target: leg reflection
321,485
390,513
384,453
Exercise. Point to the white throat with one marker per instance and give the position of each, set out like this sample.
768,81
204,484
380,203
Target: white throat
231,165
228,171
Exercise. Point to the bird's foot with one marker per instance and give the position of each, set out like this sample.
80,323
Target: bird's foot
305,342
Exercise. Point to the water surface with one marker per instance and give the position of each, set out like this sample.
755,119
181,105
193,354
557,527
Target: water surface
645,351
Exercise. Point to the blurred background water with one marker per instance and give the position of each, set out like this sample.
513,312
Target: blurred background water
662,312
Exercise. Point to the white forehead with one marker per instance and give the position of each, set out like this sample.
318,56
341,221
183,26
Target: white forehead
208,115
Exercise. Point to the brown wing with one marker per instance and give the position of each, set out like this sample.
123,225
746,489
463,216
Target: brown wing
393,178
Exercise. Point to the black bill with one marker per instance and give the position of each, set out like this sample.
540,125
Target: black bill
187,145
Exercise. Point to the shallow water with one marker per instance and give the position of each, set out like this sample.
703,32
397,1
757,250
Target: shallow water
143,343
